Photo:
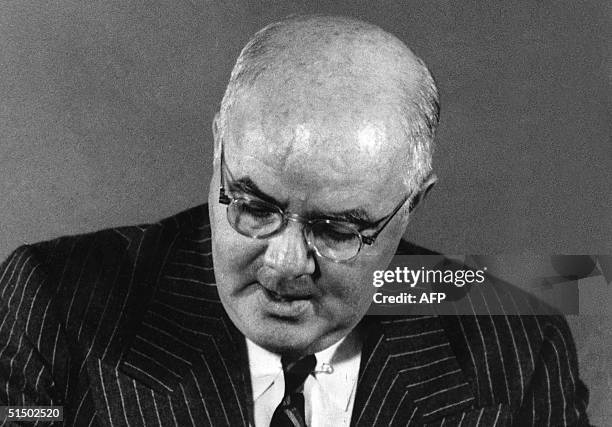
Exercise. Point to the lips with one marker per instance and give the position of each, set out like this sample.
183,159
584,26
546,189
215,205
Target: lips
284,305
276,296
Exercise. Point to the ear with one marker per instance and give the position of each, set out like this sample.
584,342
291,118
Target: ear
426,186
216,139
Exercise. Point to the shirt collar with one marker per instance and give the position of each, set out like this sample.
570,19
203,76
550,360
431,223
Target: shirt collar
342,357
337,370
264,366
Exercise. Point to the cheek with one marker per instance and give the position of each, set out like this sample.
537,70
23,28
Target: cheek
356,278
350,287
233,254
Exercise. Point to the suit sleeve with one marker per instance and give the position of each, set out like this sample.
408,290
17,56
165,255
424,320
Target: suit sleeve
32,351
556,396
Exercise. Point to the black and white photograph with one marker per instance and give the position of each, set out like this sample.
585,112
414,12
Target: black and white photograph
305,213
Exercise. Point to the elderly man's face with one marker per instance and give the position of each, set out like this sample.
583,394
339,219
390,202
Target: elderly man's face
314,162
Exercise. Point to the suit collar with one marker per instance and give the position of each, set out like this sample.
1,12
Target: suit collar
185,333
403,360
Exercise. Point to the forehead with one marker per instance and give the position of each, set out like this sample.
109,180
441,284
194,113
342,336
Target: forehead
338,151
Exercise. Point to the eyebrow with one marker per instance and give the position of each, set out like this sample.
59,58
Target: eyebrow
357,216
246,185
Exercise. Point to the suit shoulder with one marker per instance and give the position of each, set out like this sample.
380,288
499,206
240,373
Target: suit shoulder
469,330
88,270
106,246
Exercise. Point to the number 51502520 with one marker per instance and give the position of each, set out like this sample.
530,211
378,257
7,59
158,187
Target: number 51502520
31,413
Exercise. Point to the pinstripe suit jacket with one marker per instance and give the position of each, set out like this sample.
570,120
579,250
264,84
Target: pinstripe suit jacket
124,327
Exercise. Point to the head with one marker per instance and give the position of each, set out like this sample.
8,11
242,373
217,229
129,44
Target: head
329,117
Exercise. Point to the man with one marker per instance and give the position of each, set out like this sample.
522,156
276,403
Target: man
322,147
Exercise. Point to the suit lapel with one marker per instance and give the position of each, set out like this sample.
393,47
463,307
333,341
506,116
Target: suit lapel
403,360
185,345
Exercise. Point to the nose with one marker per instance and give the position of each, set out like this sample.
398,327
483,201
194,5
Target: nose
288,253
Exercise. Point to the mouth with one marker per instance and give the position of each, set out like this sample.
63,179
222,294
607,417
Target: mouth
278,297
284,305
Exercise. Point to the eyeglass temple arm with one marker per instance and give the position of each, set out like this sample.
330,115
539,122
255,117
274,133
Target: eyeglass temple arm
223,198
369,240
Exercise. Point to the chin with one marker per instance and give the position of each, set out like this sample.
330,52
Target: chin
295,339
283,348
282,337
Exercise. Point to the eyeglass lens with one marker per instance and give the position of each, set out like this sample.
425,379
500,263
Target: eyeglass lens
259,219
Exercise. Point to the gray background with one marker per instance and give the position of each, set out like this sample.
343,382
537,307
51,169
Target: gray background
105,111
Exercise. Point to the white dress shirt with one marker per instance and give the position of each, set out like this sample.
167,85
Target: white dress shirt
329,393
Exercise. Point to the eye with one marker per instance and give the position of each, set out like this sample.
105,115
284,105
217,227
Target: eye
258,211
338,235
334,234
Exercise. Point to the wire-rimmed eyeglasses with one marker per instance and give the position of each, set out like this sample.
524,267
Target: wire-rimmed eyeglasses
338,241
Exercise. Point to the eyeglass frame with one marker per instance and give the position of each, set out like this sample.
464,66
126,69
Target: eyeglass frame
224,199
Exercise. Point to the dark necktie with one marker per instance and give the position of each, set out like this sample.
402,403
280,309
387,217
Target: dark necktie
290,412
